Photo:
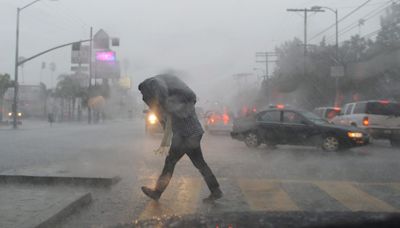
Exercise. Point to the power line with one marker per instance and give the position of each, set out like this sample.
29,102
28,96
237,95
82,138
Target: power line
340,20
368,16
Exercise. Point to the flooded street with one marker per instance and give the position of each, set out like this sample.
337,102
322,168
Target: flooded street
283,179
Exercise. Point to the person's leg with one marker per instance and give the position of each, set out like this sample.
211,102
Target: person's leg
174,155
196,156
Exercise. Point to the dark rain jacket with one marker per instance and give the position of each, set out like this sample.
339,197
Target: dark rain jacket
167,94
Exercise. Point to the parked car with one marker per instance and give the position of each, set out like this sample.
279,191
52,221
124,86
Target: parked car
296,127
380,118
216,121
327,113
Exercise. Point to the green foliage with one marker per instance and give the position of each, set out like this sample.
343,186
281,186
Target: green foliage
5,83
389,36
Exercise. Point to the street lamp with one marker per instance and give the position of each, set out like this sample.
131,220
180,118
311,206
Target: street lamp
335,11
14,108
336,25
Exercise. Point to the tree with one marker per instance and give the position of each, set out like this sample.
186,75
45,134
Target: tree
307,80
68,89
355,50
389,35
5,83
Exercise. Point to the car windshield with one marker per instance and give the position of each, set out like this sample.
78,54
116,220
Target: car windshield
197,113
314,118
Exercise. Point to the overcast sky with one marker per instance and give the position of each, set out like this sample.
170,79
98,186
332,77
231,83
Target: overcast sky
209,40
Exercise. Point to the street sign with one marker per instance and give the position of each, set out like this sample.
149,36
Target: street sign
337,71
81,56
79,69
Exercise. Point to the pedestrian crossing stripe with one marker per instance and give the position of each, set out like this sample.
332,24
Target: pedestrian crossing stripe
183,196
354,198
266,196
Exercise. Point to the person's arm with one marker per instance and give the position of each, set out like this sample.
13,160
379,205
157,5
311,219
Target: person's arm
167,137
166,141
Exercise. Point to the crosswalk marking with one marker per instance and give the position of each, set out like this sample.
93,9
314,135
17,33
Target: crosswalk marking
266,195
395,186
353,198
181,197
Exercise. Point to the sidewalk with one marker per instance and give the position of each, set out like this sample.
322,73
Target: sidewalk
28,206
43,196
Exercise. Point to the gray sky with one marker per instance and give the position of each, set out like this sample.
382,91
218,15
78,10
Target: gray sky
209,40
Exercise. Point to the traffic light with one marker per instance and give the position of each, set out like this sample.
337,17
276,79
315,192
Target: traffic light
115,42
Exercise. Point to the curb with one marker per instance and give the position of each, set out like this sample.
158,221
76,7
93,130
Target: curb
58,216
49,180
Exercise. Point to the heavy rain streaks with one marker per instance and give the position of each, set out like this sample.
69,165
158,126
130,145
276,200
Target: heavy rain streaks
254,113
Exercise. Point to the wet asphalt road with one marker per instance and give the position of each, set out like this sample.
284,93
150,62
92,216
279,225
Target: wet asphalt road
285,179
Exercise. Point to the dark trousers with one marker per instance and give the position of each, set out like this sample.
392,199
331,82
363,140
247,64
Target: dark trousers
179,147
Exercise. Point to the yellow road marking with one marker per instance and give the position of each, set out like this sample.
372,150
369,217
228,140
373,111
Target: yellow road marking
353,198
266,195
181,196
395,186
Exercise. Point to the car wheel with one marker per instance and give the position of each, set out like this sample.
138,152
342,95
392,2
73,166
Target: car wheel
330,143
252,140
395,142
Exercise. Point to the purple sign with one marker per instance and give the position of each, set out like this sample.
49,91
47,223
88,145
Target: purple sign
105,56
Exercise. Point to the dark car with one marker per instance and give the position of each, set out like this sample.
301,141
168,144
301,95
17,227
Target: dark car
296,127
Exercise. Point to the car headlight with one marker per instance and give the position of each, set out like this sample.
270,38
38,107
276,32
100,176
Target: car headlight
19,114
355,134
10,114
152,118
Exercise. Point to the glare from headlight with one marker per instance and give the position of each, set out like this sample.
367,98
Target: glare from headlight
355,134
10,114
152,118
19,114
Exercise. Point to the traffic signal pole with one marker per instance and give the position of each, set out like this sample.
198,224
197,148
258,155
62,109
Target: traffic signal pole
15,105
90,75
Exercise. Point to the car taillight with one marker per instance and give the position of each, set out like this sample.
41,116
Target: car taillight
225,118
280,106
366,121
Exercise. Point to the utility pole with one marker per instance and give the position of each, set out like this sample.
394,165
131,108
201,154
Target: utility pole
266,59
90,75
305,11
